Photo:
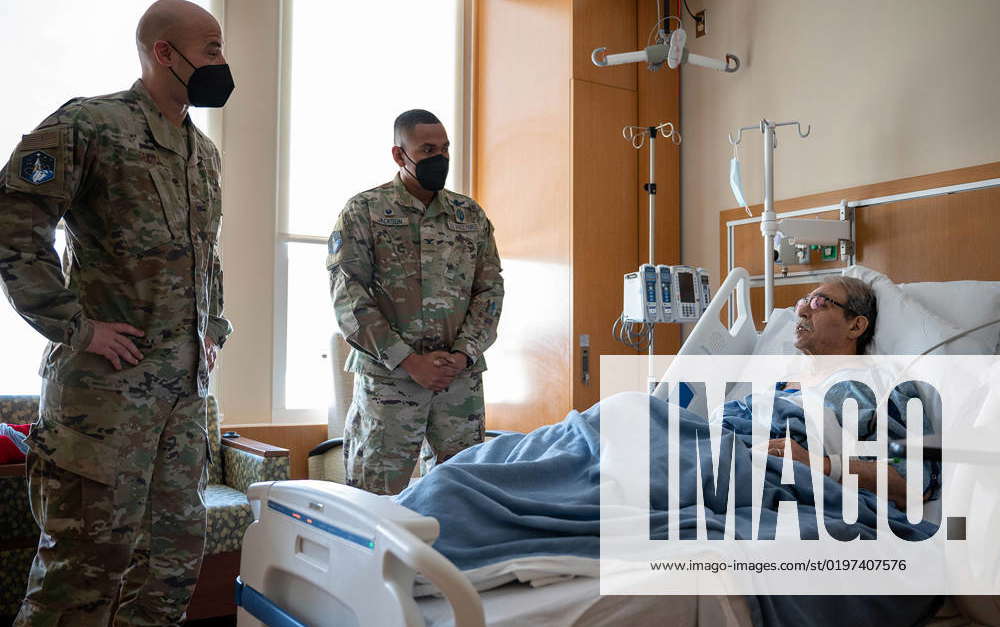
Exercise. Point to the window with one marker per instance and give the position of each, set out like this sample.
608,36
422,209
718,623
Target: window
62,49
351,68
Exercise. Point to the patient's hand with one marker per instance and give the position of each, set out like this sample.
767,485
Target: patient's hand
776,447
426,373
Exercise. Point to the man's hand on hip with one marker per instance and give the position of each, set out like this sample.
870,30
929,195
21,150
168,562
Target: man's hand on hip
111,342
211,352
424,370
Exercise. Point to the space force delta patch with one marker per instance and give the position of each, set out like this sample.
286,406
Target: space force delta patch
38,167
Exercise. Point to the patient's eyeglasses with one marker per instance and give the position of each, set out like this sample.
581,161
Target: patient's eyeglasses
821,301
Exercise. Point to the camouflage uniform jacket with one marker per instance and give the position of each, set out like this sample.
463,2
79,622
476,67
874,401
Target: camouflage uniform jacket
408,279
141,203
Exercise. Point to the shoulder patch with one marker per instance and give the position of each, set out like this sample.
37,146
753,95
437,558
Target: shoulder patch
38,160
41,161
335,242
38,167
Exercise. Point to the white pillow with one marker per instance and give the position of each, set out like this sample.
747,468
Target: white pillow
905,327
778,337
966,304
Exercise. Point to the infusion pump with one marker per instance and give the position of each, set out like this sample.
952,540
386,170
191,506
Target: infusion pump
661,293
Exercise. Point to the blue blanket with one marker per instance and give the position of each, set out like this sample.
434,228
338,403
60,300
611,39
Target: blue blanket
538,494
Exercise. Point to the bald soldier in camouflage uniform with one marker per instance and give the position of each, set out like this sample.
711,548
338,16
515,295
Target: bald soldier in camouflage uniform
417,291
134,317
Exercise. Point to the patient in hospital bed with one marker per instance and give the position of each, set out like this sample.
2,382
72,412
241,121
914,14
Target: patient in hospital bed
531,499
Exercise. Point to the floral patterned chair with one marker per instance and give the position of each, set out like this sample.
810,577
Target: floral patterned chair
236,463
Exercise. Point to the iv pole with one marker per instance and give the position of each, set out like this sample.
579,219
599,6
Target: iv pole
769,222
637,136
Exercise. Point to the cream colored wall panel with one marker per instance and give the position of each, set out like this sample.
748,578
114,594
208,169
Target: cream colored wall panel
250,152
892,89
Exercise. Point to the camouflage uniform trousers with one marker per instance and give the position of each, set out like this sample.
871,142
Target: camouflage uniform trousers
108,472
390,418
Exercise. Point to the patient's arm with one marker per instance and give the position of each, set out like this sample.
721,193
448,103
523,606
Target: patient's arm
868,479
866,471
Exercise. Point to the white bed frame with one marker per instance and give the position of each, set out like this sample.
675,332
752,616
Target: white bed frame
329,554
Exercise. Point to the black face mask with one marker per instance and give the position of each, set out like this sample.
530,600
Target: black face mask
209,85
431,172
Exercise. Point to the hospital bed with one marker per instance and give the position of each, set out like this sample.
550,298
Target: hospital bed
321,553
335,555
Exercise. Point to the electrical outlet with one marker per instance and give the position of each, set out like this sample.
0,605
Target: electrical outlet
700,26
829,253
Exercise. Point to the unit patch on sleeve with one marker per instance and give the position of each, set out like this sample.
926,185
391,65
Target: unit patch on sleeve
38,167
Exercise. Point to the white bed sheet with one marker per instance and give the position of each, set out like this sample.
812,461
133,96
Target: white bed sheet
578,603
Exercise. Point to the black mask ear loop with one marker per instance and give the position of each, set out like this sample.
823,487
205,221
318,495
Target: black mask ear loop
186,61
414,173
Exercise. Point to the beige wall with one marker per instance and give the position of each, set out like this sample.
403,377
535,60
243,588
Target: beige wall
892,88
250,153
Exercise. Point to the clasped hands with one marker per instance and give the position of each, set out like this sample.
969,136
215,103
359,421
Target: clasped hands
435,371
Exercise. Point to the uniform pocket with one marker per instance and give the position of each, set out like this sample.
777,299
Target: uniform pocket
51,439
73,451
148,226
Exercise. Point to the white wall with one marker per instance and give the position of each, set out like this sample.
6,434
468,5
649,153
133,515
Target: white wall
892,88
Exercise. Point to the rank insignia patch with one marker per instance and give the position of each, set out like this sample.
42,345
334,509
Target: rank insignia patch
38,167
460,214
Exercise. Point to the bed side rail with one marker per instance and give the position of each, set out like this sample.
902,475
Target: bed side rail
310,534
711,337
